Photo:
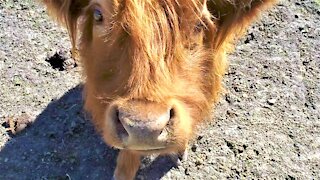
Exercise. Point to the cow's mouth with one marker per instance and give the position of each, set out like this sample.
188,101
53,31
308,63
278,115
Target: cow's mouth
145,150
150,151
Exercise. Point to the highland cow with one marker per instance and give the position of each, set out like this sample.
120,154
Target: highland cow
153,68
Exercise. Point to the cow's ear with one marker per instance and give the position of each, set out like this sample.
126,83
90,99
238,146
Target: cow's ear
67,13
232,17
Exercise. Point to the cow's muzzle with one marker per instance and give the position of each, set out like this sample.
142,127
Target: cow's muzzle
142,125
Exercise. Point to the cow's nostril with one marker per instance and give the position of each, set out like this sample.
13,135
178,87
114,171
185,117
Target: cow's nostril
122,132
172,113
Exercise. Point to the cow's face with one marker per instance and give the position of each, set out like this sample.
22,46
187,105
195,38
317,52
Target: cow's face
146,66
153,67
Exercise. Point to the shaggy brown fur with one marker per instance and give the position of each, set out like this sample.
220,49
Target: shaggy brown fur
149,54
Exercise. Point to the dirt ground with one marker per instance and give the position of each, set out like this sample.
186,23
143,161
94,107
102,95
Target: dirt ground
267,125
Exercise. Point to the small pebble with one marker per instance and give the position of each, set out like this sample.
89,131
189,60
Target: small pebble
194,147
271,101
187,171
199,162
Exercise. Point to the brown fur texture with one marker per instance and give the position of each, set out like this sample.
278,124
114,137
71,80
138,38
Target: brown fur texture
170,53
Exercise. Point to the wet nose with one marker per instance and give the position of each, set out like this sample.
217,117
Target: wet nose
143,125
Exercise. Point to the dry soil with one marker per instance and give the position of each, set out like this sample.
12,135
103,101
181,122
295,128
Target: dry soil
267,125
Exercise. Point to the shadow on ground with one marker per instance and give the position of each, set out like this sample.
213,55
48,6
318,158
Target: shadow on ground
62,144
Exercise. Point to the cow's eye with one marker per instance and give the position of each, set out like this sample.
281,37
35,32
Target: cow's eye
97,15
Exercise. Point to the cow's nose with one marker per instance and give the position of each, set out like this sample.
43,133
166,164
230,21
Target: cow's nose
143,127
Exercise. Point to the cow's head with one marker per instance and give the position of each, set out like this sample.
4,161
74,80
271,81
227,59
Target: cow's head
153,68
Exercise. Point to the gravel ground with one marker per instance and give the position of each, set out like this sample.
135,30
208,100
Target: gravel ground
266,126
